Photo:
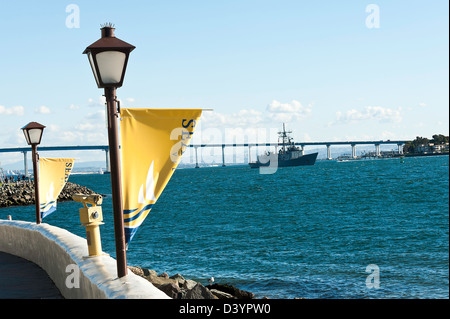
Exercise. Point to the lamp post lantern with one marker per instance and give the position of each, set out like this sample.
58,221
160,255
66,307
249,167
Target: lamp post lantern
108,58
33,134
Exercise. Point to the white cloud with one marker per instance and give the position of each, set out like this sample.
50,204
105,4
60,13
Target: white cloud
98,116
92,122
73,107
276,112
86,127
378,113
53,128
288,112
278,107
387,135
81,135
15,110
306,137
243,118
70,136
89,130
42,110
249,124
100,101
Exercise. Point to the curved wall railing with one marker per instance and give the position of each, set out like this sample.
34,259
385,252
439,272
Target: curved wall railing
62,255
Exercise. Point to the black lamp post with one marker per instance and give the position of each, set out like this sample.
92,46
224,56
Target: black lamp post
33,134
108,58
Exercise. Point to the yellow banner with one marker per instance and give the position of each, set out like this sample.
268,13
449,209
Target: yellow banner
152,142
53,175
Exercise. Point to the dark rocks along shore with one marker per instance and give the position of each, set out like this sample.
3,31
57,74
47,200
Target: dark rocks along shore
177,287
22,193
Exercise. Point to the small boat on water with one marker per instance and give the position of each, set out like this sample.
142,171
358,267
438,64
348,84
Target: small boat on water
104,172
288,155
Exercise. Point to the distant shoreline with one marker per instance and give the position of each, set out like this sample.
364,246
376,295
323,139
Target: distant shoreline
424,154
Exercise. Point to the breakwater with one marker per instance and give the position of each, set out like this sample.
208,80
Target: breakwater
177,287
22,193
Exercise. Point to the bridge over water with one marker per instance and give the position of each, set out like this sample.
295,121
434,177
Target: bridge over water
302,145
25,151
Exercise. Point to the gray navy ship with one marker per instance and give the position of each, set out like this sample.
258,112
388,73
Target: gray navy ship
288,155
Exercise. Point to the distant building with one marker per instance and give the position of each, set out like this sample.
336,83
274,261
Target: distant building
430,148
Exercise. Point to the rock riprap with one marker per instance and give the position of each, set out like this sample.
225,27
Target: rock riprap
177,287
22,193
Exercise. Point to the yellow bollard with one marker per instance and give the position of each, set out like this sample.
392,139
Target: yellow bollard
91,218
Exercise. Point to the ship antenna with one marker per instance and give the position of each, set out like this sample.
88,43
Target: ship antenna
283,137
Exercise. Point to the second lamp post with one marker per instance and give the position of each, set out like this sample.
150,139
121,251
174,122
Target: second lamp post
108,58
33,134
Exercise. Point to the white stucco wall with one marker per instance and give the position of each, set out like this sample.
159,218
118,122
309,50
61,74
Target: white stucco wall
53,249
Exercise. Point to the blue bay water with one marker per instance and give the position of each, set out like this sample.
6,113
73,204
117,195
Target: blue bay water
301,232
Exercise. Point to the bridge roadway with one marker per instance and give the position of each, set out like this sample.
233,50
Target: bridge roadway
25,151
302,145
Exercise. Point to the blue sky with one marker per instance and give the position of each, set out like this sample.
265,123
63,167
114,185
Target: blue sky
316,65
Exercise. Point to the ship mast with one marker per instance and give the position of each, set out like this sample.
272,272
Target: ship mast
285,139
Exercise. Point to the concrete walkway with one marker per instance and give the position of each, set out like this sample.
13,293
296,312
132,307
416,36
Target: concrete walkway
22,279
